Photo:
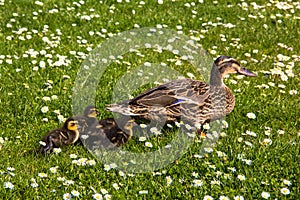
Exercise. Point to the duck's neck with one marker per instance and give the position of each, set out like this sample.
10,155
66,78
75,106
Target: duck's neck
215,77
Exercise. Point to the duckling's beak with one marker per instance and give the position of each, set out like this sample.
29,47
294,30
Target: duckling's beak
246,72
97,112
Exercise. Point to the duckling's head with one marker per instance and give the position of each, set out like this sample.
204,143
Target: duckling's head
129,124
225,65
91,112
71,124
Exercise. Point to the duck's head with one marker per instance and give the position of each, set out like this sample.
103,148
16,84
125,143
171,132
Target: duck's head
71,124
225,65
91,112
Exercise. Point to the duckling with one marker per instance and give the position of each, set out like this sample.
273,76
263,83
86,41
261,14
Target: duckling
190,100
66,135
88,119
108,135
106,132
118,134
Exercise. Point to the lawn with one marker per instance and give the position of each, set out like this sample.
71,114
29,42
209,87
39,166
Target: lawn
44,61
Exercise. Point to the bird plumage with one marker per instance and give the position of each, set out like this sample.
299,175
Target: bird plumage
118,133
88,119
66,135
106,133
185,99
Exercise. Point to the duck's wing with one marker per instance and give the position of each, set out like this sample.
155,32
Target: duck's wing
172,93
166,95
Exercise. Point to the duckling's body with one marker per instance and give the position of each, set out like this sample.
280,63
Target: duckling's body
118,134
104,133
66,135
88,119
108,134
186,99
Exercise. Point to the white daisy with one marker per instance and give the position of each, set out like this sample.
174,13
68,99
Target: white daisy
251,115
197,183
8,185
207,197
142,139
238,198
97,196
169,180
143,192
265,195
287,182
44,109
148,144
75,193
67,196
285,191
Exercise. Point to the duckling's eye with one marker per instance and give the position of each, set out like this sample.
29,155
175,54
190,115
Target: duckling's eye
95,112
73,124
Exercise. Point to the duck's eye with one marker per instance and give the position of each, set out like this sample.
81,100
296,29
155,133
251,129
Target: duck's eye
235,62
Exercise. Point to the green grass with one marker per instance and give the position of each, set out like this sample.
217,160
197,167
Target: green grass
22,92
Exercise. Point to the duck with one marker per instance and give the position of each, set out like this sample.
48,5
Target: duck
192,101
66,135
108,132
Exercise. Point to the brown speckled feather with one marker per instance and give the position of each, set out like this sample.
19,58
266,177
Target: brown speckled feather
185,99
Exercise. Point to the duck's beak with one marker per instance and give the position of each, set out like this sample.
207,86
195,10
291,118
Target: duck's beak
246,72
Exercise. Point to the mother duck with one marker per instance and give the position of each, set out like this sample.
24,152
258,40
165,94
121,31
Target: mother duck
191,101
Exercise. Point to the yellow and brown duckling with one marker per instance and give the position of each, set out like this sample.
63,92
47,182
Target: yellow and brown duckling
118,133
88,119
66,135
190,100
106,133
